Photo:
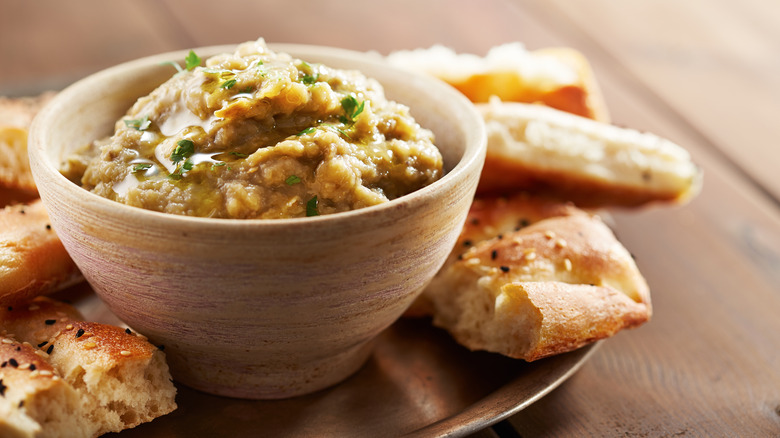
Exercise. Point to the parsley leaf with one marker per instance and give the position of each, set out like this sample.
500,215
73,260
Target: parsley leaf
311,77
228,84
185,167
292,179
191,61
308,130
349,104
359,110
184,148
311,207
141,124
352,109
142,166
239,154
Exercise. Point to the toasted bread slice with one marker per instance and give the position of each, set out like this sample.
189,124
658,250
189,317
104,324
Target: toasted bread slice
545,289
559,77
493,217
32,259
122,379
16,115
34,400
593,164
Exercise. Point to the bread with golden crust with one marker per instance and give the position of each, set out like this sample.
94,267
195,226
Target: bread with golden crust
559,77
593,164
32,258
122,379
492,216
545,289
34,400
16,115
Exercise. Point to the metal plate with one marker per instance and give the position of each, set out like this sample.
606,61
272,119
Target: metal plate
417,383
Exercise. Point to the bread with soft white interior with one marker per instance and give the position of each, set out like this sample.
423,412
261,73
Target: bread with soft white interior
559,77
121,378
593,164
545,289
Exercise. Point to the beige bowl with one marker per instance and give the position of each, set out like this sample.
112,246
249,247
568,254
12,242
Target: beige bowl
257,308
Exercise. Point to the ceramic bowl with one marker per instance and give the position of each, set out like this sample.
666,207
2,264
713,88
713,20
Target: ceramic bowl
257,308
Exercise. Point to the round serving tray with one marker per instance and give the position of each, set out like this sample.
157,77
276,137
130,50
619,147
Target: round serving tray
417,383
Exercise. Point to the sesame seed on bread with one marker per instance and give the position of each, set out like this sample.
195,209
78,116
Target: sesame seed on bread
552,286
34,400
122,380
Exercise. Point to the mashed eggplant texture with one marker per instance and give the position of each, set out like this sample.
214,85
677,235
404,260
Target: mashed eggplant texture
259,134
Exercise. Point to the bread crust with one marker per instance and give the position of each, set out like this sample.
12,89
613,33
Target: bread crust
592,164
553,286
32,258
560,77
34,400
16,115
122,380
492,216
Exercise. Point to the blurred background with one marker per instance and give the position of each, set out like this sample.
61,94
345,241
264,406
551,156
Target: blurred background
715,62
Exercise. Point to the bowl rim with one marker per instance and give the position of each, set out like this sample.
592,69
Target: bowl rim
471,161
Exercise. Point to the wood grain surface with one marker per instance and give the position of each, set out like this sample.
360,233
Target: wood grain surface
705,74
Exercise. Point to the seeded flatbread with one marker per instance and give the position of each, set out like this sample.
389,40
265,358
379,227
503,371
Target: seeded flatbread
32,259
593,164
121,379
545,289
490,217
559,77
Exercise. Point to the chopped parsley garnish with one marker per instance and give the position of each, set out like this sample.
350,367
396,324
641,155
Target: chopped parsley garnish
191,61
352,109
309,78
308,130
142,166
337,130
220,164
292,179
228,84
239,154
311,207
226,76
185,167
184,148
141,124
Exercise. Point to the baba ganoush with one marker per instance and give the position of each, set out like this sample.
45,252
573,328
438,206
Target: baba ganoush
259,134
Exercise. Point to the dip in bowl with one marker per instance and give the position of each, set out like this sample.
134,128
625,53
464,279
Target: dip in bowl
254,307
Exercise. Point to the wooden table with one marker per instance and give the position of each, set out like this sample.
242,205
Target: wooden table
705,74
